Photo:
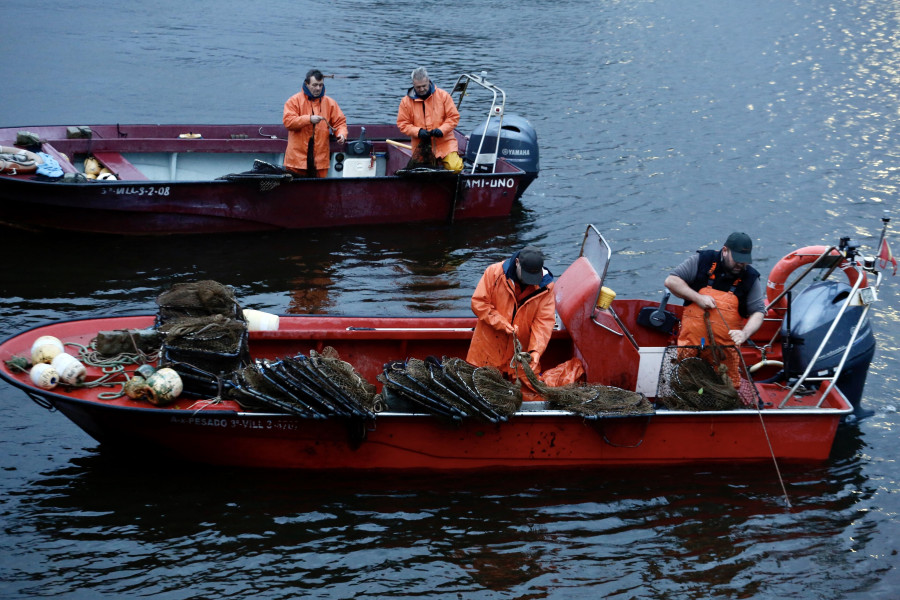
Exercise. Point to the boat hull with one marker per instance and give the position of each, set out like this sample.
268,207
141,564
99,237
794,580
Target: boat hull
174,201
221,433
423,442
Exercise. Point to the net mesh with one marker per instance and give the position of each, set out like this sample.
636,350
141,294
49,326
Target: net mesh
197,299
587,399
319,385
698,378
451,388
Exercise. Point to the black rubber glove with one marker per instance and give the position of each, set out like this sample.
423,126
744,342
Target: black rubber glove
424,134
437,133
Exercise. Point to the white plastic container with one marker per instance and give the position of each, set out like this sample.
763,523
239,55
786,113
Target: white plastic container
258,320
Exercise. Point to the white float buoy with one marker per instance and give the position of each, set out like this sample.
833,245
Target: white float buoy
45,348
70,369
165,385
44,376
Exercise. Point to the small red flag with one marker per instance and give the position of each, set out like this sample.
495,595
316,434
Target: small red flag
885,256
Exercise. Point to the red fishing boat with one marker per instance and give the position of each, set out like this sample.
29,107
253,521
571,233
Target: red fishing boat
799,392
163,179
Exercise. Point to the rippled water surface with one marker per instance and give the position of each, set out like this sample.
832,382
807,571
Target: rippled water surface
666,124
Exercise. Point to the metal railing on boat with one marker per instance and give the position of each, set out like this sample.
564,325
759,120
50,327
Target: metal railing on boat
498,103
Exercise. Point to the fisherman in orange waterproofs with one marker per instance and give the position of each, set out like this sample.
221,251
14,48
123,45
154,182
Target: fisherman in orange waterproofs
429,116
721,293
309,117
514,298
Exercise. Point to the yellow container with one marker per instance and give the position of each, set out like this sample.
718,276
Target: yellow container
606,298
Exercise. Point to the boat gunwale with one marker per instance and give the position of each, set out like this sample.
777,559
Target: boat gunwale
52,396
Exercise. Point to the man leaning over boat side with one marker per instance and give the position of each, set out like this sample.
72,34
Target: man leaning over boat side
721,292
310,116
429,116
514,298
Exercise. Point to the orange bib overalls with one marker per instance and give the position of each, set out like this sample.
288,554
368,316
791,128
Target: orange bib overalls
724,317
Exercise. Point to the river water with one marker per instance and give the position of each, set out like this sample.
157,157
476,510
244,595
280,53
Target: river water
667,124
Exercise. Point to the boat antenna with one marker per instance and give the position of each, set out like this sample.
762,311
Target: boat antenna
884,221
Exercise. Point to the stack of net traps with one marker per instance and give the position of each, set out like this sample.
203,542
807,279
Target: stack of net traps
704,378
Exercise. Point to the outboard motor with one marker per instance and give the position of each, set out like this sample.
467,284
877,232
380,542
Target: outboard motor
812,312
518,145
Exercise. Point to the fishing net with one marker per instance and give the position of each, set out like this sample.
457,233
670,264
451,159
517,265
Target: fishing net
424,154
696,378
450,388
317,386
197,299
216,333
266,175
200,348
586,399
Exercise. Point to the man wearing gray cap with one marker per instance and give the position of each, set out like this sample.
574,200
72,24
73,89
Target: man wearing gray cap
723,284
514,298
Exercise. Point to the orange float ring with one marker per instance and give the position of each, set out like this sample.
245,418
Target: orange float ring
798,258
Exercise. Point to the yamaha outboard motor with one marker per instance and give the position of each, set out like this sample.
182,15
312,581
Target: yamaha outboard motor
812,312
518,145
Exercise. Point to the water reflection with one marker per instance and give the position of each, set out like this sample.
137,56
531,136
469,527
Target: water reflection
103,515
298,272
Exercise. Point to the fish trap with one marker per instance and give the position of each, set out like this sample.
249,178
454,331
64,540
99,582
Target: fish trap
203,349
590,400
318,386
449,388
700,378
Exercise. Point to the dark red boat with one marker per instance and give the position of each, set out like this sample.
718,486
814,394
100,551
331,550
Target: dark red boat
793,415
163,179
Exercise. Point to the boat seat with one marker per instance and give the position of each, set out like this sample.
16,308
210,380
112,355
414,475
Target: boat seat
60,158
594,333
120,166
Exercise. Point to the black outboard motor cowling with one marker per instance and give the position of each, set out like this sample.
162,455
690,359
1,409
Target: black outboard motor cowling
518,145
812,312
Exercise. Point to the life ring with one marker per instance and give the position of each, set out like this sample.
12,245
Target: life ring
804,256
15,160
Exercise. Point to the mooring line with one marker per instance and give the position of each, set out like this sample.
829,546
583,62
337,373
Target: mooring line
759,405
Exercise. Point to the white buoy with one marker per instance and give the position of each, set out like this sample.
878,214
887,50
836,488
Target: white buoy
44,376
45,348
70,369
165,385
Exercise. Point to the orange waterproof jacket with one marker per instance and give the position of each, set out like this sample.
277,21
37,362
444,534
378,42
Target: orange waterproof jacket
494,303
437,111
297,111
